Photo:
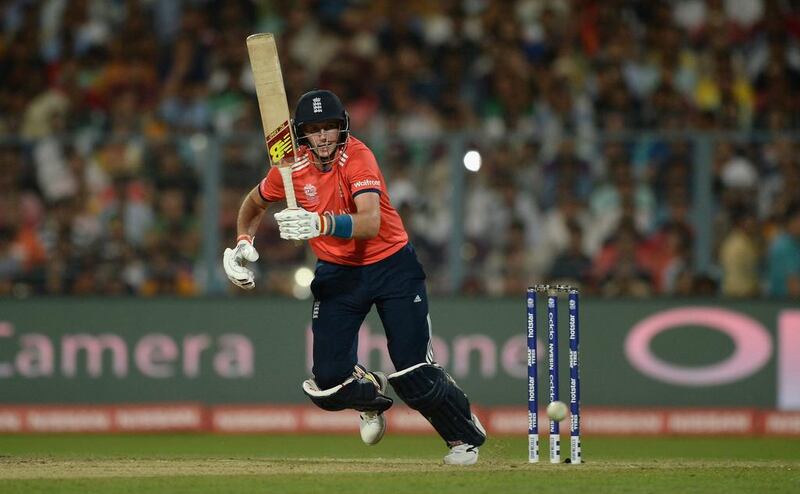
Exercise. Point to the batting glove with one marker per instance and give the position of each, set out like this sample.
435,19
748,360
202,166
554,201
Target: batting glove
235,263
299,224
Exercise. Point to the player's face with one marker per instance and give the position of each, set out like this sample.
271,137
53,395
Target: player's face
323,137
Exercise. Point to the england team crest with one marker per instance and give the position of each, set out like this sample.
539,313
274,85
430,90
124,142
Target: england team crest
311,193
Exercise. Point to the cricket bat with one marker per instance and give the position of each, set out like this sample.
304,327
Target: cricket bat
275,117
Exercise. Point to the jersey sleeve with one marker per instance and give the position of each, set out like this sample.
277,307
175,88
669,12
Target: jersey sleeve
364,174
271,187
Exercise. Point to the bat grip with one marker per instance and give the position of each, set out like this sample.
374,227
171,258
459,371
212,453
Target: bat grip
288,187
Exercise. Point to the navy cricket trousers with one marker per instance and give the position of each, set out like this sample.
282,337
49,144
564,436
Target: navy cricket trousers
344,295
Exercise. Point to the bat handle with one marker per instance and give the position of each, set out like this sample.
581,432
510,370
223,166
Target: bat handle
288,187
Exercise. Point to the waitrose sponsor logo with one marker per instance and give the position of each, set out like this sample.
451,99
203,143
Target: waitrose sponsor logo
366,183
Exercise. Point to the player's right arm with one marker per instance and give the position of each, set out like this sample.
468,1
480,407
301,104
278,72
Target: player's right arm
235,260
250,214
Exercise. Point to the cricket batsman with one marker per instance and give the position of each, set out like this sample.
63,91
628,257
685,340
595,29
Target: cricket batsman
365,259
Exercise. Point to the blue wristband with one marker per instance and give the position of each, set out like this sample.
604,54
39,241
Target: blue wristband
342,226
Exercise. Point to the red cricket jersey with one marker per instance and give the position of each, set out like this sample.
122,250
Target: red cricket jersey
355,172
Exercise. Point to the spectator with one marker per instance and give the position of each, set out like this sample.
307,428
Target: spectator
572,266
668,256
11,259
739,256
555,235
620,267
783,260
110,105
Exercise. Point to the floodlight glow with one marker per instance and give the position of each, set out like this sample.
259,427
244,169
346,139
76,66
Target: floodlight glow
472,160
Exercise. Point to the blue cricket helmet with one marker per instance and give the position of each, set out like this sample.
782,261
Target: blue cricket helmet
320,105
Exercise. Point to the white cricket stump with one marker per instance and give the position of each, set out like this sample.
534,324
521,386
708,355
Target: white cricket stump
555,448
575,450
533,448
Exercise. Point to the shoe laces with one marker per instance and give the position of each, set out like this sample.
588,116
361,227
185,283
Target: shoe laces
464,448
369,416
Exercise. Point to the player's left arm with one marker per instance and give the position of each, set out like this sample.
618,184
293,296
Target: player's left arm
367,218
299,224
365,180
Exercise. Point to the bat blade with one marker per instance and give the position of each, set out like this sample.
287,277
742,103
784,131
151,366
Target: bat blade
273,106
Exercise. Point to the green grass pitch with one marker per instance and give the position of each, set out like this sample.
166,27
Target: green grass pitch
200,464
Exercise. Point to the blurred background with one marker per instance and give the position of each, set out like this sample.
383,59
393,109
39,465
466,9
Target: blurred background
638,148
642,150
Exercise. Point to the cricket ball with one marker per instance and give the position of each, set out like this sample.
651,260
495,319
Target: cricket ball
557,410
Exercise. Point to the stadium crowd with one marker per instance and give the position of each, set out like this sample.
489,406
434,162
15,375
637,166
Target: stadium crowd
586,112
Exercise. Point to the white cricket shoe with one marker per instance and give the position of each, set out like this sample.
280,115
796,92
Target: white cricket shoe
465,454
373,424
